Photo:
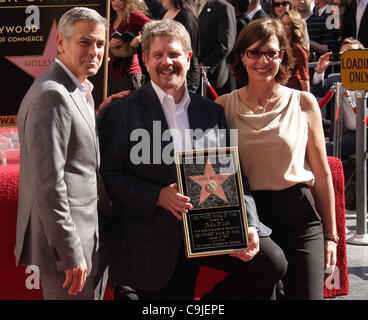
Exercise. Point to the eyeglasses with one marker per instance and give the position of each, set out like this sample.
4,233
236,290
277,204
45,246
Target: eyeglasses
278,4
270,55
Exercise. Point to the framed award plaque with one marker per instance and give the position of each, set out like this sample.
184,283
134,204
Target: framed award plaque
211,178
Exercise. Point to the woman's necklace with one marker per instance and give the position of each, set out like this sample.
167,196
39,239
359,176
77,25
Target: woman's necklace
257,108
260,109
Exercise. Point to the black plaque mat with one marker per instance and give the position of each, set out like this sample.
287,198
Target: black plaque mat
217,224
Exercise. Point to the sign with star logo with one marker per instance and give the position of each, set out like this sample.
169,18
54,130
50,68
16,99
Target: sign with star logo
28,46
210,183
211,178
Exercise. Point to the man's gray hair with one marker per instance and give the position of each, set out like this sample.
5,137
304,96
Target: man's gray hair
71,17
165,27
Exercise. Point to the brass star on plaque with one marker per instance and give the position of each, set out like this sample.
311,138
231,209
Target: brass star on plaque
210,183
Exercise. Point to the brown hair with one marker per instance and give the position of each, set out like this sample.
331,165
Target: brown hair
165,27
272,7
129,7
351,40
298,28
261,30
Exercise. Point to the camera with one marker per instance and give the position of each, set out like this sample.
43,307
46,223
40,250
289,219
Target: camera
125,36
335,56
116,35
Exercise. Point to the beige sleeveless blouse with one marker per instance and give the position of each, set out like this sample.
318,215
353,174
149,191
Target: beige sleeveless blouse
272,145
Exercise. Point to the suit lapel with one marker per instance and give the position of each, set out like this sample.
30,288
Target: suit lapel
353,17
363,24
205,125
206,11
81,105
194,116
83,109
153,106
199,123
155,113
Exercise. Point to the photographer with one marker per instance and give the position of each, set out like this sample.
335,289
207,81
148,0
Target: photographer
128,19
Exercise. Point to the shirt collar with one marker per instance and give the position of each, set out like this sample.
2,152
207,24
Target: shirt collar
84,87
321,10
184,102
200,5
254,11
362,3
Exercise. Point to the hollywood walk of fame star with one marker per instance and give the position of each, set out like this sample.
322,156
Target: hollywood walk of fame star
36,65
210,183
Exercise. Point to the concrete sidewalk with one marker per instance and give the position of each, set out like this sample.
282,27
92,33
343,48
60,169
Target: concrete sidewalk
357,260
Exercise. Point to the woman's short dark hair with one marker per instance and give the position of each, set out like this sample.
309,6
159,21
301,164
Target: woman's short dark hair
241,5
185,5
272,6
261,30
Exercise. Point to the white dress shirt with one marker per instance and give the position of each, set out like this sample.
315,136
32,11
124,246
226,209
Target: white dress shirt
177,117
254,11
85,89
361,6
321,10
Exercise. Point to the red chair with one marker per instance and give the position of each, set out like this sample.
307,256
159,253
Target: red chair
13,279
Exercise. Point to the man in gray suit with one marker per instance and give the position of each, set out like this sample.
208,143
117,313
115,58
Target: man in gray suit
57,224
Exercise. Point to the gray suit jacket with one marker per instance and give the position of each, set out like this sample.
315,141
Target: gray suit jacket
57,223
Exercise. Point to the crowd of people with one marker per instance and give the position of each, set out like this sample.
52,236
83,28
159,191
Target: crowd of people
314,28
86,203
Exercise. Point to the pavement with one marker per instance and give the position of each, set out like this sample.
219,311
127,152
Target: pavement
357,261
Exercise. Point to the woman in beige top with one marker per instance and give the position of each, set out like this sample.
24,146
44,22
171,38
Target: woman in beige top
282,151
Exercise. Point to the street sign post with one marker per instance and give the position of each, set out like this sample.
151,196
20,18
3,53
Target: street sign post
354,76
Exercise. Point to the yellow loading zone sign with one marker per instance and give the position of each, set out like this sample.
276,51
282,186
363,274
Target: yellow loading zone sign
354,69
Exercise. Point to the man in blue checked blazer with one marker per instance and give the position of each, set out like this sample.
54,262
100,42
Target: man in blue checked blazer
147,250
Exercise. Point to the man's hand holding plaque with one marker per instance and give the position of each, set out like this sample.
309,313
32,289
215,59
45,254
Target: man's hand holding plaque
173,201
252,249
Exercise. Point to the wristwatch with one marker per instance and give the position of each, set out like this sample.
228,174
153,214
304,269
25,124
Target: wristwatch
332,236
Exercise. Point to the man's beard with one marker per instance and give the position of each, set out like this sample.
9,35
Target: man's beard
171,78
